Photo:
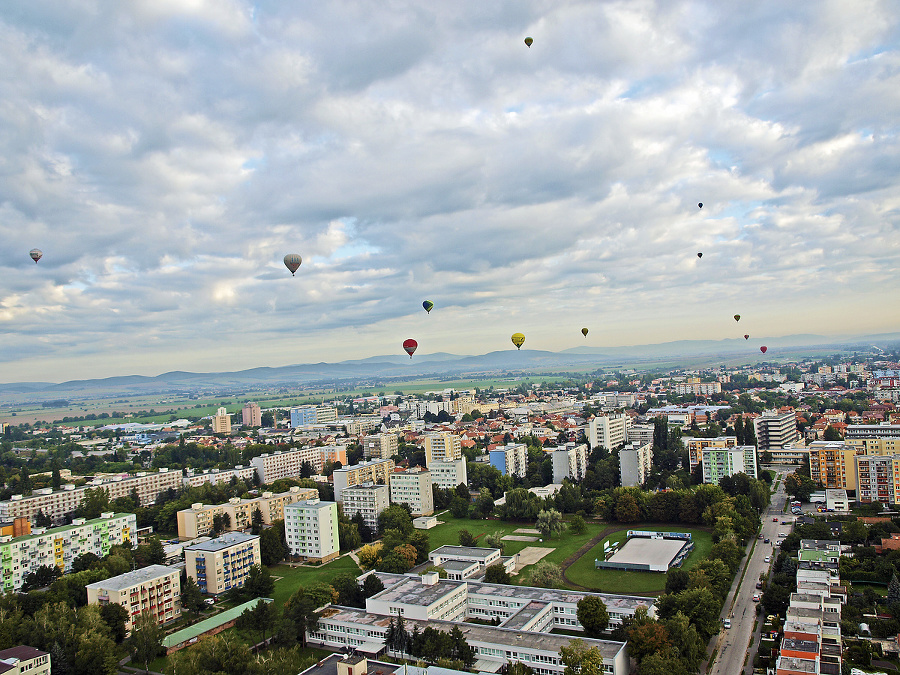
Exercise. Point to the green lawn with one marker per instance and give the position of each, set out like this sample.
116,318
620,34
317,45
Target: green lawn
295,577
583,573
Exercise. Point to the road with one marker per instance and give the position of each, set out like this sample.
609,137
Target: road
733,643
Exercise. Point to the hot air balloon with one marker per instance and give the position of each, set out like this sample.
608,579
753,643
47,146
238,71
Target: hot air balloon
36,254
409,346
428,305
529,41
699,255
518,339
746,337
763,349
584,331
700,205
292,262
737,317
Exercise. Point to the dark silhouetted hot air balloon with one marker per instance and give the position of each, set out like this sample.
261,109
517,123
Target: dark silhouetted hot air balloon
409,346
746,337
36,254
763,349
699,255
518,339
584,331
529,41
737,317
292,262
428,305
700,205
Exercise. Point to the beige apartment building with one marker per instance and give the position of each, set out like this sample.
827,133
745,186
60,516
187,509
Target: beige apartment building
23,659
696,446
413,487
380,446
608,431
197,521
220,564
155,589
221,422
833,464
369,500
374,471
442,447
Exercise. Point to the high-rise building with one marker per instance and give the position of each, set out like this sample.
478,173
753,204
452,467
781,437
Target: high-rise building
413,487
695,447
221,422
369,500
878,478
251,415
510,459
635,464
442,447
374,471
380,446
833,464
775,430
569,461
311,530
640,434
155,589
270,466
721,462
448,475
223,563
608,431
303,415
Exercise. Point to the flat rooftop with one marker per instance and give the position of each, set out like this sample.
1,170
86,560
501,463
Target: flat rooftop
645,551
411,591
134,578
474,552
800,646
225,541
797,665
458,565
524,615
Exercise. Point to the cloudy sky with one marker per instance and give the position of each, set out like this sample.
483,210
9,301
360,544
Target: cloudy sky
166,154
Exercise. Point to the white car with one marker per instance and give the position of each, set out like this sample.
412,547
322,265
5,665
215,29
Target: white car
727,623
768,558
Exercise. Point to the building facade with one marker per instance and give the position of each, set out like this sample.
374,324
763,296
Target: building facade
155,589
24,660
511,459
635,464
311,530
374,471
695,446
442,447
413,487
221,422
380,446
569,461
721,462
369,500
608,431
833,464
223,563
448,475
775,430
251,415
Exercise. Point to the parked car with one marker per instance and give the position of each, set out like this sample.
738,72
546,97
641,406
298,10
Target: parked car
768,558
775,519
727,623
766,540
756,597
760,537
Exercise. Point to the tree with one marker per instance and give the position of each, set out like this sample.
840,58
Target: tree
497,574
151,553
257,522
259,582
546,574
370,556
580,659
515,668
222,655
831,434
627,509
85,561
647,637
658,664
893,594
116,617
191,597
146,638
459,508
466,538
396,517
94,501
372,585
548,522
494,540
299,617
592,615
577,525
41,576
259,618
271,544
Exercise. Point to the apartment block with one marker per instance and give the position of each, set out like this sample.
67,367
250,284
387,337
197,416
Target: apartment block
775,430
639,434
721,462
155,589
878,478
197,521
380,446
511,459
833,464
374,471
288,463
217,476
695,447
442,447
448,475
223,563
883,430
369,499
311,530
413,487
302,416
59,546
635,464
698,388
251,415
569,461
221,422
23,659
608,431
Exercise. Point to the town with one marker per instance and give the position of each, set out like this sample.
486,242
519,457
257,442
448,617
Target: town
685,521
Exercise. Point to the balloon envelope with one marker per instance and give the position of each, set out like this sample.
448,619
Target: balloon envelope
409,346
428,305
737,317
746,337
36,254
763,349
292,262
529,41
518,339
700,205
699,255
584,331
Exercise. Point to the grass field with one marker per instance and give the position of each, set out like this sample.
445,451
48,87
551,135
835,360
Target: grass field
292,578
583,573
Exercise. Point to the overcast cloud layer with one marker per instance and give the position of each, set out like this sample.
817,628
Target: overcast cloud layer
166,154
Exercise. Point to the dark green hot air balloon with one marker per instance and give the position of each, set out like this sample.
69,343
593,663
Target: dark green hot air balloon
428,305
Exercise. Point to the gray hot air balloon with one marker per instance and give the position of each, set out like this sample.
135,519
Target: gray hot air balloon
292,262
36,254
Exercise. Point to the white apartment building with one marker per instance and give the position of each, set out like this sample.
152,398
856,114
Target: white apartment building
223,563
639,434
721,462
569,461
413,487
221,422
775,430
311,530
442,447
59,546
197,521
448,475
58,504
510,459
373,471
608,431
216,476
155,589
251,415
698,388
380,446
635,464
369,499
289,463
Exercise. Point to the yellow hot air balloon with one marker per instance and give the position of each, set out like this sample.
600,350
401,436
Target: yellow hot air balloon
529,41
584,331
518,339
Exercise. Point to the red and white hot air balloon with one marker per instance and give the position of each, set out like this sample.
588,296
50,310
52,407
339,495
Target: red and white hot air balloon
409,346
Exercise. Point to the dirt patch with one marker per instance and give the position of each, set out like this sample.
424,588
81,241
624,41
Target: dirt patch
531,554
526,530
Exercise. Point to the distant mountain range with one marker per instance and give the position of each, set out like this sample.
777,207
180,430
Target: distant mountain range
380,370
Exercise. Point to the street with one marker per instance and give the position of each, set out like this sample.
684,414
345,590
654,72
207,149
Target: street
733,643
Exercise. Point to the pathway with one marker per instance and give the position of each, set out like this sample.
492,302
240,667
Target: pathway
584,549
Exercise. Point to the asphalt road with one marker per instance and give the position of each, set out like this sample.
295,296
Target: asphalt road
733,643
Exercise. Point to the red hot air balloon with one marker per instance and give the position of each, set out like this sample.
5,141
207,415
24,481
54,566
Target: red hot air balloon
763,349
746,337
409,346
